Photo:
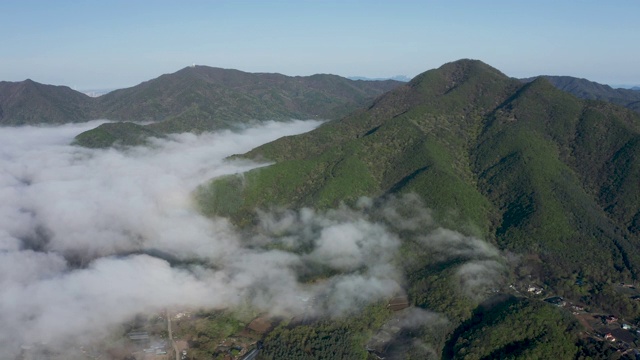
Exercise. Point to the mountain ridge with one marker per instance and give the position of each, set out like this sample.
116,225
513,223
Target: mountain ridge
590,90
58,104
29,102
203,99
548,178
194,98
527,166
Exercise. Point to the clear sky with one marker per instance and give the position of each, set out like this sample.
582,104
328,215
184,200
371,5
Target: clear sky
110,44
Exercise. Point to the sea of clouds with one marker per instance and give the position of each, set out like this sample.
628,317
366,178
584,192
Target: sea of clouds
91,237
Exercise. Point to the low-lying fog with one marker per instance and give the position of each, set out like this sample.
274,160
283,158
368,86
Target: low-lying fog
90,238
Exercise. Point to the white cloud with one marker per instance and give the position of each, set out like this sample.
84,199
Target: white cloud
90,238
77,222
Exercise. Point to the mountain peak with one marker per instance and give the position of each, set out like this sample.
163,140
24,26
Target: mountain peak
27,84
465,68
453,74
30,102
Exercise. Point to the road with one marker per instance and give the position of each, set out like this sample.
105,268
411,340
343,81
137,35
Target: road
173,343
251,354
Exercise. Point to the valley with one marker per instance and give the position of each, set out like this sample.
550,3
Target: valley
462,215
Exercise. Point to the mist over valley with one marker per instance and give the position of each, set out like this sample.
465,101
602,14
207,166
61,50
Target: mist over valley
405,220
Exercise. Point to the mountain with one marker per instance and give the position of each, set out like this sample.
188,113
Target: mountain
203,98
196,98
402,78
549,178
590,90
523,164
636,88
28,102
223,95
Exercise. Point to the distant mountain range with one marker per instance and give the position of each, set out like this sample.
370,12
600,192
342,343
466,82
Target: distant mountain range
590,90
402,78
200,98
539,167
195,98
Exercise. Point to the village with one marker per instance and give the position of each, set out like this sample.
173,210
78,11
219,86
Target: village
621,334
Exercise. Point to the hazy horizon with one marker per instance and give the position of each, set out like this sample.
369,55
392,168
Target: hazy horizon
95,91
120,44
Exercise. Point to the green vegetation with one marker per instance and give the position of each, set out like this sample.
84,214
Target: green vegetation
30,103
120,134
534,170
592,349
434,288
336,339
206,331
528,166
201,98
549,178
196,99
515,329
590,90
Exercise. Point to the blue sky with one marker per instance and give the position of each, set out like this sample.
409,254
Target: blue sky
111,44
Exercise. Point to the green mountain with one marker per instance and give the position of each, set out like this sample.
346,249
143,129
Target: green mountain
203,98
548,177
28,102
590,90
124,133
524,164
224,95
197,98
515,329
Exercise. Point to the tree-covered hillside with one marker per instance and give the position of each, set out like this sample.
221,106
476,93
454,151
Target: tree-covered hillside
203,98
589,90
29,103
549,178
194,99
523,164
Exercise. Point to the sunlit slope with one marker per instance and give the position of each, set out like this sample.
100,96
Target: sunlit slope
412,139
529,166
